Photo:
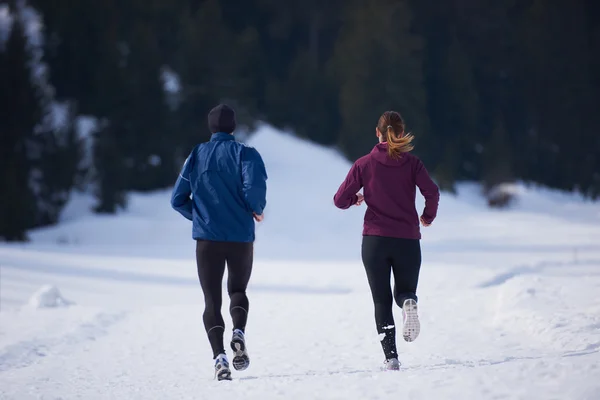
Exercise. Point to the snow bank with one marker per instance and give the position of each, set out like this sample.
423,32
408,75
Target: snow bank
49,296
541,303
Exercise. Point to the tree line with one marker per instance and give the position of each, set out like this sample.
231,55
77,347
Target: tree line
493,91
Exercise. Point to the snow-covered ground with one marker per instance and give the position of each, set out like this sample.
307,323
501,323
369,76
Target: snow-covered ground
110,308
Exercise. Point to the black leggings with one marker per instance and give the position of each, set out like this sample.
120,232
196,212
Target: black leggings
211,258
402,257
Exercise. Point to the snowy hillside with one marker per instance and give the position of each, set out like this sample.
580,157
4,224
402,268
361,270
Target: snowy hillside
109,307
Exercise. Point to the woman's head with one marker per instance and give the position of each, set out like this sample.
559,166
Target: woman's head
391,129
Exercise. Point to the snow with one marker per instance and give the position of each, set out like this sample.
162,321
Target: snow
172,87
48,296
33,25
508,299
170,80
60,115
154,160
86,127
5,24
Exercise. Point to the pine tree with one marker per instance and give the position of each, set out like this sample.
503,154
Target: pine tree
85,53
20,103
306,101
110,166
146,135
215,66
81,44
454,112
378,64
558,80
300,93
497,160
55,167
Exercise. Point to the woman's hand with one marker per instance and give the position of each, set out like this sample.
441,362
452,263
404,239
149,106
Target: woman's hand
425,223
258,218
360,200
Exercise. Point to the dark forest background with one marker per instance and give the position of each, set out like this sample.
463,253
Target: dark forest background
494,91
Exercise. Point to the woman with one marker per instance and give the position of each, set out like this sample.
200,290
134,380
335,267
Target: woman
390,175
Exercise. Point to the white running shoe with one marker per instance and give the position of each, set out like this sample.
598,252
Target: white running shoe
222,371
412,326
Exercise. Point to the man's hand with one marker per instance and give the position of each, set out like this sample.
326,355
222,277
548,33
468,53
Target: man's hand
258,218
425,223
360,200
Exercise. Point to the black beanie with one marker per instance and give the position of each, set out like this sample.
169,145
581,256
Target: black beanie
221,119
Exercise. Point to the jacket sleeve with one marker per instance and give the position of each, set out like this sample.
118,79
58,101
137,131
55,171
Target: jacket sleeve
254,180
181,197
430,192
346,194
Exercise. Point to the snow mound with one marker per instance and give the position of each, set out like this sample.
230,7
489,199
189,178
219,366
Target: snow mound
536,302
48,296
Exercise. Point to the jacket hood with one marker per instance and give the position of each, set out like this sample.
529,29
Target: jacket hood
380,154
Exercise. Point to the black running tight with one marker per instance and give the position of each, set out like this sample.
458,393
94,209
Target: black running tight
382,256
211,258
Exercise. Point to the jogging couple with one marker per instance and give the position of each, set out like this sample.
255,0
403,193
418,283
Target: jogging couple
222,189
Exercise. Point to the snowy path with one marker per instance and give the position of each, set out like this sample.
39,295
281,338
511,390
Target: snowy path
487,333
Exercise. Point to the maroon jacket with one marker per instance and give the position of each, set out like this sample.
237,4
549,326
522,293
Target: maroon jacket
390,190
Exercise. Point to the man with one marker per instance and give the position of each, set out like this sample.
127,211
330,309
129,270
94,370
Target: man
227,184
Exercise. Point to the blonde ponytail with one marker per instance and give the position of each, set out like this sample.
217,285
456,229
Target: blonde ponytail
398,144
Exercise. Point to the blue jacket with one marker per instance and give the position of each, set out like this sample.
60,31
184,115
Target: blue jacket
227,184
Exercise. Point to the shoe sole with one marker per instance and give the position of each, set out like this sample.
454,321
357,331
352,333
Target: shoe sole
224,375
412,326
240,361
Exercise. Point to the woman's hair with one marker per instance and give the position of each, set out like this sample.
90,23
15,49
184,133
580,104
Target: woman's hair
391,126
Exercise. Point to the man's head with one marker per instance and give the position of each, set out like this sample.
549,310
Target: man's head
221,119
